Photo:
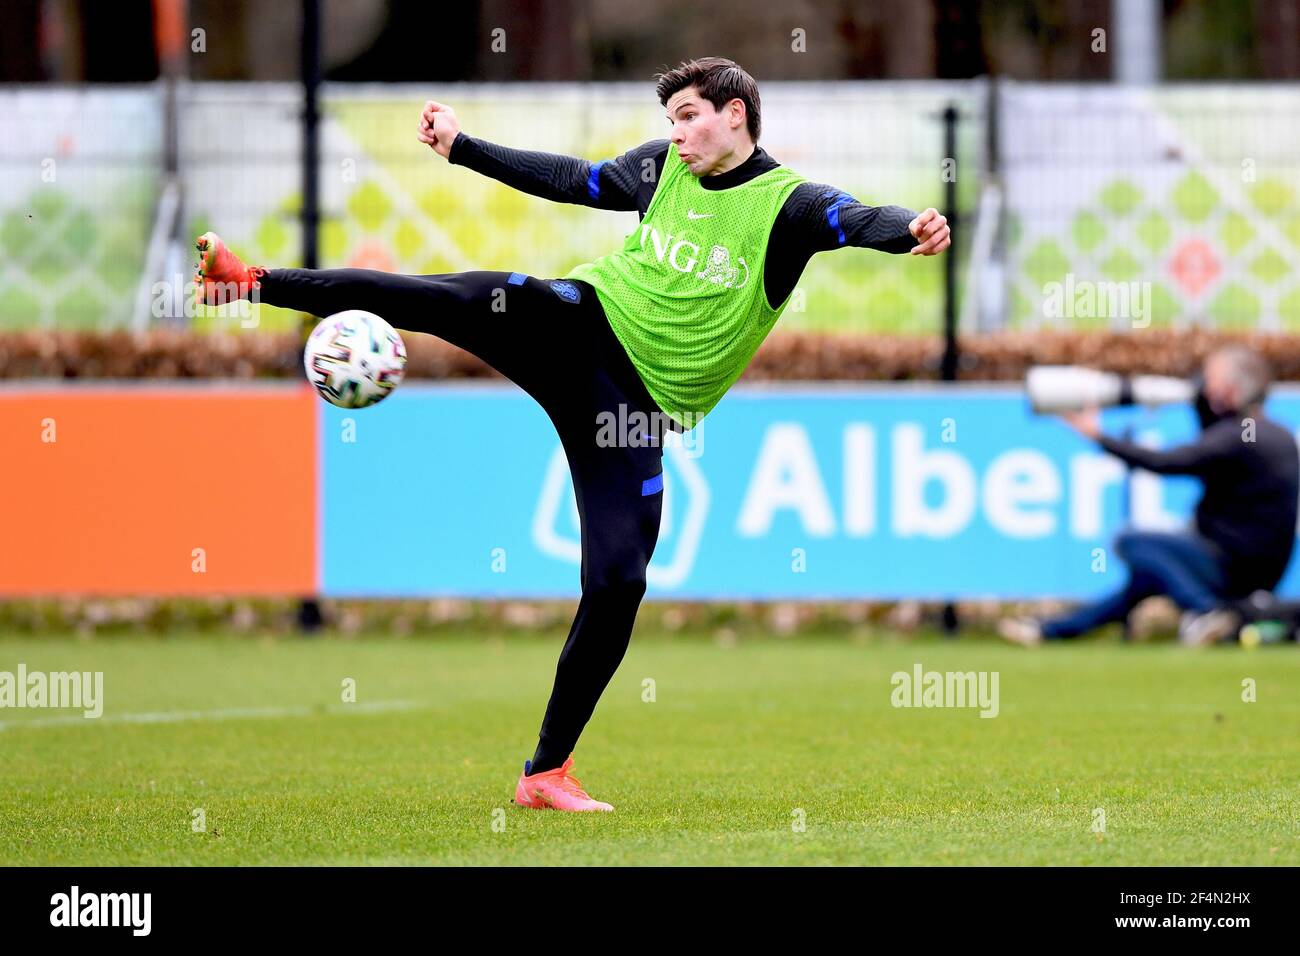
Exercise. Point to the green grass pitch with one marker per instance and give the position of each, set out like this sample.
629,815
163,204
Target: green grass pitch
767,751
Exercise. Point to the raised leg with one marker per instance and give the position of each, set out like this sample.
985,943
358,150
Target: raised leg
517,324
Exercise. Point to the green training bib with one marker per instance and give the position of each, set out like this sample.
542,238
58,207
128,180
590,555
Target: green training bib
685,294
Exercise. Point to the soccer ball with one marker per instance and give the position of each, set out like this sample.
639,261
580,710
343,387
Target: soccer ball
354,359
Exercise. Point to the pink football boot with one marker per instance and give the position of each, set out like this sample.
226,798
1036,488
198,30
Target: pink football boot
554,790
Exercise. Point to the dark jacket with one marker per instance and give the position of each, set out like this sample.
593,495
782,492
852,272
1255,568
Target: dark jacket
1250,466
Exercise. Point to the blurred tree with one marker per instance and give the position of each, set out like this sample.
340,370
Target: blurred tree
416,41
20,42
958,40
410,41
537,39
899,39
117,42
1211,38
1277,25
1046,39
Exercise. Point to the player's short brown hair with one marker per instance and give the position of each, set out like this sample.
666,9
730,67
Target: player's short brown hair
719,81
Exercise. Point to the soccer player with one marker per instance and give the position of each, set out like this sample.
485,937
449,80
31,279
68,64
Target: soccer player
656,331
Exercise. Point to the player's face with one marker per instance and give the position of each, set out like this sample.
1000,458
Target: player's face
704,136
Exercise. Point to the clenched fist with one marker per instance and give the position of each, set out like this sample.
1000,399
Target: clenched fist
932,233
438,127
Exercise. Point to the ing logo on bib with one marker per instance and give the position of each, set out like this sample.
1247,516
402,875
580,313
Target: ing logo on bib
683,255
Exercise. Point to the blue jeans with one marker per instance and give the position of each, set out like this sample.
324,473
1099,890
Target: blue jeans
1184,566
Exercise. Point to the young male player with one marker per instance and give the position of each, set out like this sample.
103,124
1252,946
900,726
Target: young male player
663,327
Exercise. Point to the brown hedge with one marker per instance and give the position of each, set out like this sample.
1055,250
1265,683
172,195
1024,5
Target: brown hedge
723,621
1002,356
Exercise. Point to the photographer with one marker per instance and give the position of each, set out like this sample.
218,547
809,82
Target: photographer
1245,523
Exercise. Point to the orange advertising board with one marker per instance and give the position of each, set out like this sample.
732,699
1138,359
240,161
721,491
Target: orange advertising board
158,490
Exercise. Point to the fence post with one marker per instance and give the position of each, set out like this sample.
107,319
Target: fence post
948,369
311,28
310,617
950,352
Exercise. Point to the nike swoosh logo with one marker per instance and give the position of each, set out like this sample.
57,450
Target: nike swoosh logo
543,797
692,214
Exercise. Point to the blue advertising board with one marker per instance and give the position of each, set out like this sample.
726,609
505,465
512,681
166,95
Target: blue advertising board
784,492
